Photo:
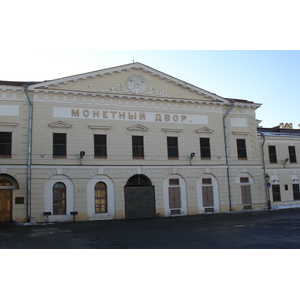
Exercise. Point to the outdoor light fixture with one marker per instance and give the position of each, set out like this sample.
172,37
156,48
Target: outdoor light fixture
285,161
267,177
191,157
81,154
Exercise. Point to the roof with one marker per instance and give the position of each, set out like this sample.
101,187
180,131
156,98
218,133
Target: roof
280,132
17,83
240,100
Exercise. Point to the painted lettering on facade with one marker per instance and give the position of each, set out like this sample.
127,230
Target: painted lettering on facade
82,113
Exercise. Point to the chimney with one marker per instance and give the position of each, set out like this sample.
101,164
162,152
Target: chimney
286,126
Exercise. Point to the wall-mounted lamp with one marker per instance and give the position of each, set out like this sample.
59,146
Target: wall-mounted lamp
285,161
191,157
81,154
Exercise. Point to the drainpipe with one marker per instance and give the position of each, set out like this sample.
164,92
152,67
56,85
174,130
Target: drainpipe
265,170
29,145
226,151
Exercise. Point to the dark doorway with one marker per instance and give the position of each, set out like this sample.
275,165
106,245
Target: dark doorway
139,198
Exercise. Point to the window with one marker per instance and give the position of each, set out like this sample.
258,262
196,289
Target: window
244,180
292,154
59,145
100,198
172,147
205,148
100,150
272,155
59,199
296,192
276,192
241,148
206,181
137,147
5,144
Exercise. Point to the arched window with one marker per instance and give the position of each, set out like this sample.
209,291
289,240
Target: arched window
59,199
100,198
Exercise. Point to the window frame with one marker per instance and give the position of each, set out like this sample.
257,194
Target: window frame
296,191
99,206
59,147
138,147
100,146
173,150
241,149
276,194
205,151
272,154
62,202
6,145
292,154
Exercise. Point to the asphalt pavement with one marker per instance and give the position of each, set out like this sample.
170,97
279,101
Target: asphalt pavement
278,229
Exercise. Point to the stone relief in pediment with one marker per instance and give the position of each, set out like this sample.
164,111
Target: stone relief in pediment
136,84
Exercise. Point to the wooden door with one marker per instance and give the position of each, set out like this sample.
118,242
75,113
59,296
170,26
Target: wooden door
174,200
207,195
5,205
246,194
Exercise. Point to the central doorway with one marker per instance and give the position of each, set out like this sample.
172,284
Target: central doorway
139,198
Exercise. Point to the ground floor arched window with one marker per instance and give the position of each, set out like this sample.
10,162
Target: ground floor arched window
59,199
100,197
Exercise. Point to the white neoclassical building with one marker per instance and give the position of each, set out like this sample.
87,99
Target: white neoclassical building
127,142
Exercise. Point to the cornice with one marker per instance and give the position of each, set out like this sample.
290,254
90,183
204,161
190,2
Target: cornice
124,68
128,96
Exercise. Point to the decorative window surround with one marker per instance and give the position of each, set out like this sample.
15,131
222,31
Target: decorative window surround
171,130
99,127
9,124
204,130
60,124
137,127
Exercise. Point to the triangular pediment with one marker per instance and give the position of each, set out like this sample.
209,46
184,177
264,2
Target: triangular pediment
137,127
60,124
130,80
204,130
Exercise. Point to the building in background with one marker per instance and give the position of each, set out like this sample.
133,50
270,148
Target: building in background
281,164
128,142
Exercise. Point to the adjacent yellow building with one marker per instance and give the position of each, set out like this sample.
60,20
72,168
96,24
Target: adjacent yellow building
128,142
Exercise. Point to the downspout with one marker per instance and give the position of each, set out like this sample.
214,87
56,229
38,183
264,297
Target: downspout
29,145
226,152
265,170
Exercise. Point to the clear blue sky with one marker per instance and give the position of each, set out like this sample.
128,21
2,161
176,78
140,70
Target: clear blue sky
270,77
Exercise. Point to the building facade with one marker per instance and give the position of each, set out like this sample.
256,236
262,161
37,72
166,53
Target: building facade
281,164
127,142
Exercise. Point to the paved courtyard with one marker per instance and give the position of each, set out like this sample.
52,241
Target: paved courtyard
237,230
